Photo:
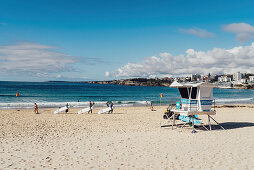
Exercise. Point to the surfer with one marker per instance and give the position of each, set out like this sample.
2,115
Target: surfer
67,110
36,109
91,105
111,106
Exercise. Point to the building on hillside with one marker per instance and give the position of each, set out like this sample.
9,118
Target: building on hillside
251,78
195,77
224,79
238,76
243,80
213,78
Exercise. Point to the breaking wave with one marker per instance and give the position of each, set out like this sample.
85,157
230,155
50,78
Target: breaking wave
239,100
29,105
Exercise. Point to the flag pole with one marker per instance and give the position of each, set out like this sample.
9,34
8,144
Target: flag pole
160,99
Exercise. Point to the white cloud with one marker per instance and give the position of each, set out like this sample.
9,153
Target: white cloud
216,60
244,32
197,32
58,76
33,59
107,73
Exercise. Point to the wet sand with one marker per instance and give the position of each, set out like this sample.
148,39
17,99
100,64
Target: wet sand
130,138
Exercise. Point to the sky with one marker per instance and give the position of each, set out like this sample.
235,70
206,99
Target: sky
79,40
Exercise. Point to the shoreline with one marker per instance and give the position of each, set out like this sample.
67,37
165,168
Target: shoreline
227,105
102,104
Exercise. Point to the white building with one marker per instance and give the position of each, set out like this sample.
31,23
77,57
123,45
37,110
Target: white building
237,76
243,80
224,79
251,78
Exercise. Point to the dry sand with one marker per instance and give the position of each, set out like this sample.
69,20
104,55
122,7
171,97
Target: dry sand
130,138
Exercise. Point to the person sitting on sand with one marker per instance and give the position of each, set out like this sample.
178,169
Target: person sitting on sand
36,109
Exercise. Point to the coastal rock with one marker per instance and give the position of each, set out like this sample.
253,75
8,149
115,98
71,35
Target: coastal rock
243,86
137,82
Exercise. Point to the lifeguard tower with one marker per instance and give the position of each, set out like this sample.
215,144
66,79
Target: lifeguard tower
196,99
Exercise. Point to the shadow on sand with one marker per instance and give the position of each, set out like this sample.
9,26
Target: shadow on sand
94,113
229,125
226,125
235,125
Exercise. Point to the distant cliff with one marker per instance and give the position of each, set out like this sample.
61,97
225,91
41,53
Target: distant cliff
243,86
157,82
137,82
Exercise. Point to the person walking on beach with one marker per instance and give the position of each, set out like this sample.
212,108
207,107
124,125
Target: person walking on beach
151,106
91,109
111,106
67,110
36,109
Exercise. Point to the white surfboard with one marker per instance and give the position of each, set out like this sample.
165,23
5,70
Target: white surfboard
85,110
61,109
105,110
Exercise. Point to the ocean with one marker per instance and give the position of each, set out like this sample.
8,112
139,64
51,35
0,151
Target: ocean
57,94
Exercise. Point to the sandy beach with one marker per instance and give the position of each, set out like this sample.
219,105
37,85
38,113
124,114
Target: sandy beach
130,138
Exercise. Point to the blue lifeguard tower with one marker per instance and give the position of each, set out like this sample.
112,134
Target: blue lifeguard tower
196,99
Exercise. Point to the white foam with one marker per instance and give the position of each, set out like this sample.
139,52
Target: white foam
28,105
230,100
43,104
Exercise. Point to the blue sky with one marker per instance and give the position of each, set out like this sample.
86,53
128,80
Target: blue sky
91,38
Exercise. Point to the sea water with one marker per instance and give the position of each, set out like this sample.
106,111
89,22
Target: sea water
57,94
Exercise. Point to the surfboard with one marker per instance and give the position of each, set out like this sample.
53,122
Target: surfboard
61,109
85,110
105,110
187,119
